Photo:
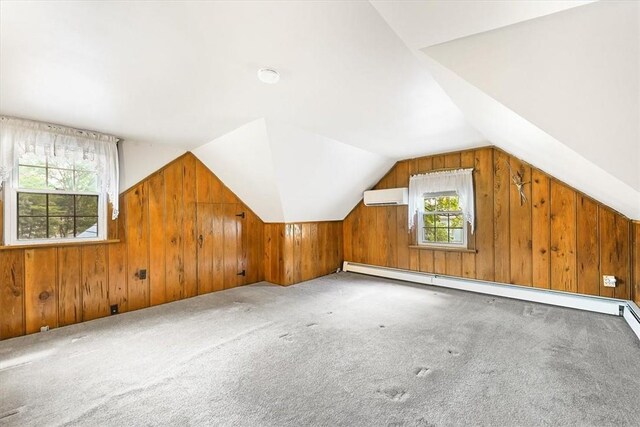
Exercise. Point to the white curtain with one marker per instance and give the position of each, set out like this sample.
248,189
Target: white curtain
460,181
18,137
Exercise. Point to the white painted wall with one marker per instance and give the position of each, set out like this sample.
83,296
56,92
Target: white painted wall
286,174
320,178
243,160
140,159
574,74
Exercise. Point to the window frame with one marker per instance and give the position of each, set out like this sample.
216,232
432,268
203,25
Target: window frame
11,191
421,226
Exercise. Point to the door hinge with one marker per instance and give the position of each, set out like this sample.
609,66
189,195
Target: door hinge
241,215
242,273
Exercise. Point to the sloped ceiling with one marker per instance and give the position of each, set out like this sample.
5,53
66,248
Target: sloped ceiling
426,23
289,174
574,74
560,91
173,76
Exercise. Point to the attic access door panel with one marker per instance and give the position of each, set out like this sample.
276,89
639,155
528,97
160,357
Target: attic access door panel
220,251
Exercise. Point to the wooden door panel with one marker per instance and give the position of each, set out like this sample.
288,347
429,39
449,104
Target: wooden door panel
217,241
205,248
232,229
220,254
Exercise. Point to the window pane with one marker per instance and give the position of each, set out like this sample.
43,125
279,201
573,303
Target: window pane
60,227
442,221
85,165
430,204
442,204
32,228
442,236
60,162
32,159
454,203
456,221
61,179
86,181
430,234
455,235
87,227
429,220
87,205
30,204
32,177
61,205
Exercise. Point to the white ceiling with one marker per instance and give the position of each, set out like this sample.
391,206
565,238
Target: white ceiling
422,24
585,68
354,94
184,73
574,75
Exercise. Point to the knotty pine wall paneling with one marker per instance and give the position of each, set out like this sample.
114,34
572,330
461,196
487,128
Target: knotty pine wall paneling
297,252
155,231
557,239
12,294
635,239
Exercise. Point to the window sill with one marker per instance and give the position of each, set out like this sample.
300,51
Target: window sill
56,245
442,248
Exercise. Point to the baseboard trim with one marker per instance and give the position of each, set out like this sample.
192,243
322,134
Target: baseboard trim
616,307
632,316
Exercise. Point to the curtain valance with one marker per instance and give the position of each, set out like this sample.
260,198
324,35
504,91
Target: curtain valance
460,181
19,137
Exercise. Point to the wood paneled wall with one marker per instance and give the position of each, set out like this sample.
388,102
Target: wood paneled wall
636,261
61,285
558,239
301,251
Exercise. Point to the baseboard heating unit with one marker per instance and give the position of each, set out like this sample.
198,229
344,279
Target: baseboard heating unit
627,309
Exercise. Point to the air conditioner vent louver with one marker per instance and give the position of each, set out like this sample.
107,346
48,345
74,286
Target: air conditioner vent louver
387,197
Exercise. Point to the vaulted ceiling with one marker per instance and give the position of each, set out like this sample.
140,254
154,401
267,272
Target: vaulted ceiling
357,91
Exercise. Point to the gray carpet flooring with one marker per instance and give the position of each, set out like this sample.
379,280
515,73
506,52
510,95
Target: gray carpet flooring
340,350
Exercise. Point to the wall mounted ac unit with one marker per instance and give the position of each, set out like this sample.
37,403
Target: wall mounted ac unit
387,197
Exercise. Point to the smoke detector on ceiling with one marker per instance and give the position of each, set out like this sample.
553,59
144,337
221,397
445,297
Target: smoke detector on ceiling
268,75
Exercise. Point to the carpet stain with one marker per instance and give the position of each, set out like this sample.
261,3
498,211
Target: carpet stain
11,413
286,337
312,324
491,301
424,423
394,394
422,372
535,311
382,326
453,352
329,313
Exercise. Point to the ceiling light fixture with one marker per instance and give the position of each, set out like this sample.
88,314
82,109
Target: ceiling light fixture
268,75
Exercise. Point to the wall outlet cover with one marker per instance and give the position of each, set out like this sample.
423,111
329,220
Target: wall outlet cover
44,328
609,281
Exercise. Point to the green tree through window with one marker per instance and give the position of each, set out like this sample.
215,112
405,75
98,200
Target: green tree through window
56,198
442,221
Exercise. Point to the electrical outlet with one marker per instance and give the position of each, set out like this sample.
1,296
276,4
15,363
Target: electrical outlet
609,281
114,309
141,274
44,328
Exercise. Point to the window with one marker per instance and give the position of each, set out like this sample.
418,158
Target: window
56,182
57,199
442,222
441,208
